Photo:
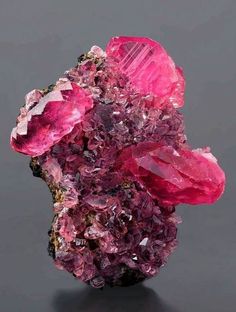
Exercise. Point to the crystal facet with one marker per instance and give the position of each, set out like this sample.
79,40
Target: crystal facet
51,118
175,176
149,68
108,139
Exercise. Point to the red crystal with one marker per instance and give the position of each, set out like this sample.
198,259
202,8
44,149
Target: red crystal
54,116
109,142
149,68
175,176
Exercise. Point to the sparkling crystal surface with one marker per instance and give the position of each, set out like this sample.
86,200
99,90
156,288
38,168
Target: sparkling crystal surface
108,139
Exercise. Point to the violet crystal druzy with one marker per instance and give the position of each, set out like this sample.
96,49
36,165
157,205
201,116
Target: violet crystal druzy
108,139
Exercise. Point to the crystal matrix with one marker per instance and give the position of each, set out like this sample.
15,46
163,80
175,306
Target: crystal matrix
109,141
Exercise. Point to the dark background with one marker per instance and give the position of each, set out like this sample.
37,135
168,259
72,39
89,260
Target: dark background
38,41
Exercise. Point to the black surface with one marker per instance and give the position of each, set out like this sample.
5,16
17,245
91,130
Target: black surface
38,41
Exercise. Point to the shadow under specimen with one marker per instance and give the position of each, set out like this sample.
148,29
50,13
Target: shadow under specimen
135,298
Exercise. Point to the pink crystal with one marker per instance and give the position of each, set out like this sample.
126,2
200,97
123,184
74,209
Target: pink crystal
149,68
175,176
109,142
54,116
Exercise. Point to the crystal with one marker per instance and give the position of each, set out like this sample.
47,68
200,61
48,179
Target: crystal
149,68
54,116
109,141
175,176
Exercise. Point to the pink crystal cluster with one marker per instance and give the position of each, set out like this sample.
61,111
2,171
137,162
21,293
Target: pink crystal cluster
109,141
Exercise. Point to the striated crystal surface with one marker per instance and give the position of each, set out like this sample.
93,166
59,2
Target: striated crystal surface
109,141
149,68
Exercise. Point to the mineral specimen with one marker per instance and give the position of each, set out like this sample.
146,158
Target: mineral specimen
109,141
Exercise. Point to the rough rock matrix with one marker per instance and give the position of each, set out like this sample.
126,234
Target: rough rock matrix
108,139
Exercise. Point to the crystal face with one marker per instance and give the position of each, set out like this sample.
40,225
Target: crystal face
175,176
55,115
149,68
108,139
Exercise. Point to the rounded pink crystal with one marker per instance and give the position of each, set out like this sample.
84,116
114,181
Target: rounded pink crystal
175,176
51,118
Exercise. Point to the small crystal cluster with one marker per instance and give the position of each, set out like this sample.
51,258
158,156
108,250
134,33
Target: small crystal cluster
109,141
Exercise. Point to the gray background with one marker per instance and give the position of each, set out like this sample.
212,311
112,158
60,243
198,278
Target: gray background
38,41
